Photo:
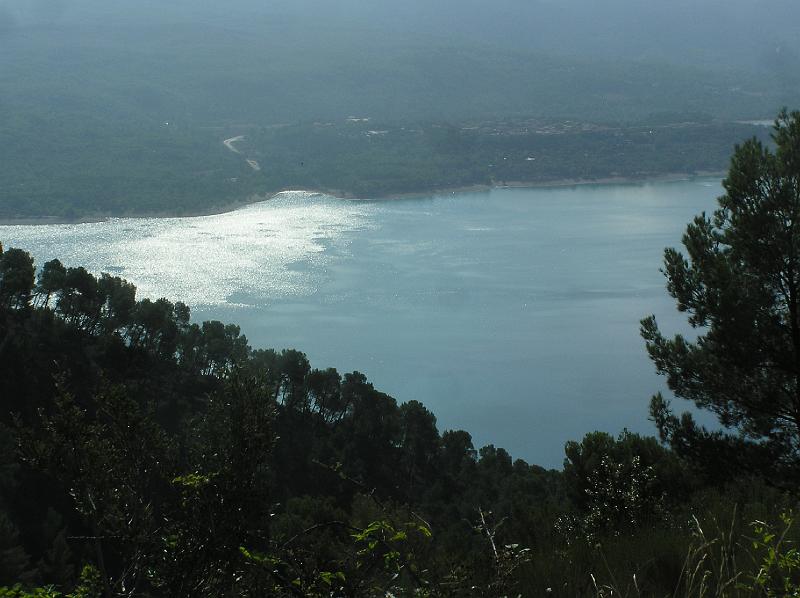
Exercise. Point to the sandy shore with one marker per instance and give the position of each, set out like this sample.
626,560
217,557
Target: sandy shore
230,207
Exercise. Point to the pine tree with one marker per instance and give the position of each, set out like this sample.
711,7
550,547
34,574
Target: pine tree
739,283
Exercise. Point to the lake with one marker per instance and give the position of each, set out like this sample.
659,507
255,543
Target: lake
511,313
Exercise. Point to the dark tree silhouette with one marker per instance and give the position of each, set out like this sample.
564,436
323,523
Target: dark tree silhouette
740,285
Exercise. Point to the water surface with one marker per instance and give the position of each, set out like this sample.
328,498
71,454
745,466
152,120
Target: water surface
511,313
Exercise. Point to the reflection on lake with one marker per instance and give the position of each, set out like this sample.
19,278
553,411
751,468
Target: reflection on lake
511,313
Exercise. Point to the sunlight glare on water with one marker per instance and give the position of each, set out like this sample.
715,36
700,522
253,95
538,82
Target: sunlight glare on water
238,258
512,314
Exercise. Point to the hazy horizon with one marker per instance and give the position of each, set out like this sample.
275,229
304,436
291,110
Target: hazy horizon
356,48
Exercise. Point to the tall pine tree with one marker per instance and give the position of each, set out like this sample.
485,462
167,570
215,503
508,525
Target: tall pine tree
739,283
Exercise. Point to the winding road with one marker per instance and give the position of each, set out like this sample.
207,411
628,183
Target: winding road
229,143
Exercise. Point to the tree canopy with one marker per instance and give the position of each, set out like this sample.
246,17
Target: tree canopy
739,283
144,454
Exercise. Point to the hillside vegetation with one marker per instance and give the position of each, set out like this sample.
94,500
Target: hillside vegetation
121,109
149,455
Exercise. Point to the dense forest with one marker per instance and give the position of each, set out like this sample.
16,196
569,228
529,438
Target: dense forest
173,169
148,455
364,158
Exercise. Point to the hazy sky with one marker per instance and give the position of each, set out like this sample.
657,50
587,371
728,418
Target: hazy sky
278,60
747,33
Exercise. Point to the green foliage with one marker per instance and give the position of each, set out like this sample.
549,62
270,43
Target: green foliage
89,586
182,463
189,170
383,542
739,286
284,480
620,484
223,504
779,562
17,591
352,159
16,278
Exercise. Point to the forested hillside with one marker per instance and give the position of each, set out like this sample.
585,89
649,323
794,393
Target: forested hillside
177,461
149,455
113,109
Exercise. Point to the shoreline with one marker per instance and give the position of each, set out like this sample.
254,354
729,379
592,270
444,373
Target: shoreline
198,213
338,194
553,183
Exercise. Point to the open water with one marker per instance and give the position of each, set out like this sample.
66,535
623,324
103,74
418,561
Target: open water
512,313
